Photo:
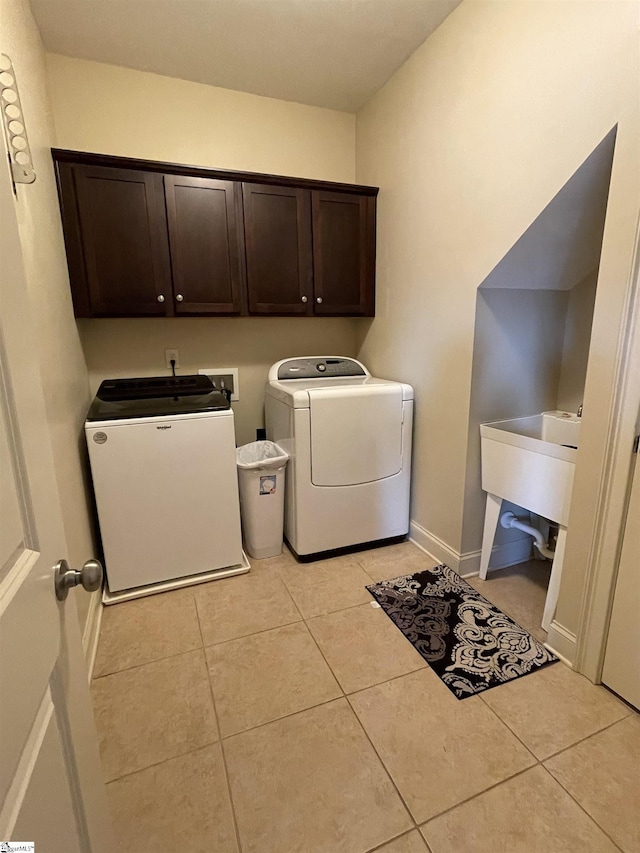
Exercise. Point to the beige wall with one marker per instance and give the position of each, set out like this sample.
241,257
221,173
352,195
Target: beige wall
62,365
115,110
469,141
136,347
577,337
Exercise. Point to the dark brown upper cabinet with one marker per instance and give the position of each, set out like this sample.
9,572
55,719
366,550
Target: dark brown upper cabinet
277,233
202,215
120,256
145,238
343,253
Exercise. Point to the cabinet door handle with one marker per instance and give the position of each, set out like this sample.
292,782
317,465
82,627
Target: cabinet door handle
304,299
319,299
161,298
179,297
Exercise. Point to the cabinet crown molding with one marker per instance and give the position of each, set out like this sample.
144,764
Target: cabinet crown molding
86,158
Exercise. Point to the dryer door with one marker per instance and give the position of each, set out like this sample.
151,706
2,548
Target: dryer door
356,434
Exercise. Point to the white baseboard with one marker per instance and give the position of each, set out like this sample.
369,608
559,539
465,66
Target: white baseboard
433,546
91,632
502,556
562,642
468,564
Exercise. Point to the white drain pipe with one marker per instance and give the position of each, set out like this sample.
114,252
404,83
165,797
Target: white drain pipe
508,519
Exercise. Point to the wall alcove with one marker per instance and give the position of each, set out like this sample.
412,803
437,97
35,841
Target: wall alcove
534,313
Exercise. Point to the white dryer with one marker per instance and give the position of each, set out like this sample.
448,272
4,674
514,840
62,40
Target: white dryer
348,436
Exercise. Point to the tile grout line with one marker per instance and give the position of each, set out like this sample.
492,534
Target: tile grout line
583,739
241,636
514,776
404,834
147,663
568,792
346,697
319,704
508,727
304,620
540,763
496,784
163,761
478,794
340,610
327,613
342,695
564,748
384,766
289,593
283,717
254,634
225,769
387,680
582,808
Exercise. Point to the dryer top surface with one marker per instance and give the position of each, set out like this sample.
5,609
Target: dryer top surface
293,380
298,392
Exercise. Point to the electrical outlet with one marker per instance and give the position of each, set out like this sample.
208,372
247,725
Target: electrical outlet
170,354
224,377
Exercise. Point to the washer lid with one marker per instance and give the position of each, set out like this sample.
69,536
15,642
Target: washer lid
151,396
355,438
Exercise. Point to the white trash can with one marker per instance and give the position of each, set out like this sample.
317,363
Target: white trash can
261,473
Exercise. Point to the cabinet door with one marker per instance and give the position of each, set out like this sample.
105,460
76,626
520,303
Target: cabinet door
203,239
123,232
343,253
277,223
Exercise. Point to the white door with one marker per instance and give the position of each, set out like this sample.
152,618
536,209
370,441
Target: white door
622,656
51,791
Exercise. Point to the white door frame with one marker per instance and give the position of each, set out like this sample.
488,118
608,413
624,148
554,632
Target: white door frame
623,425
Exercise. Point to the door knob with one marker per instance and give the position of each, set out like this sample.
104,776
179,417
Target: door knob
303,299
319,299
179,297
90,576
161,298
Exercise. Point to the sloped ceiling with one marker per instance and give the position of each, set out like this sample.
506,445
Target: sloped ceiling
563,243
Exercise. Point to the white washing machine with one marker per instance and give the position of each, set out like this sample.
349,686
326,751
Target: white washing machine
348,436
163,462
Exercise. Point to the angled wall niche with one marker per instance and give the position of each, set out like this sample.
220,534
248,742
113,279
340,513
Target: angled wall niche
534,313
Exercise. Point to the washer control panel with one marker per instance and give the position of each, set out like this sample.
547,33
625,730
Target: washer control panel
314,367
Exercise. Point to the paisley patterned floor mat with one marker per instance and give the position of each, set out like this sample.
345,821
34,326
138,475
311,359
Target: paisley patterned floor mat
466,640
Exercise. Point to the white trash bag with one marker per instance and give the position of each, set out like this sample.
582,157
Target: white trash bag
261,454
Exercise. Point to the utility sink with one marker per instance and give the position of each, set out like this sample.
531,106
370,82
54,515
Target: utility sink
551,433
530,461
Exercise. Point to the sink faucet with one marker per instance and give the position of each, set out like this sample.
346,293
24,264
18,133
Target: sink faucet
580,410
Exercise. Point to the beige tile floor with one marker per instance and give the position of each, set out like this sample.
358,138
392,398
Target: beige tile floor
279,712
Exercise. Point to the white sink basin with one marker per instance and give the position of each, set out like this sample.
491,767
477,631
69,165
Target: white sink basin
530,461
561,428
552,433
